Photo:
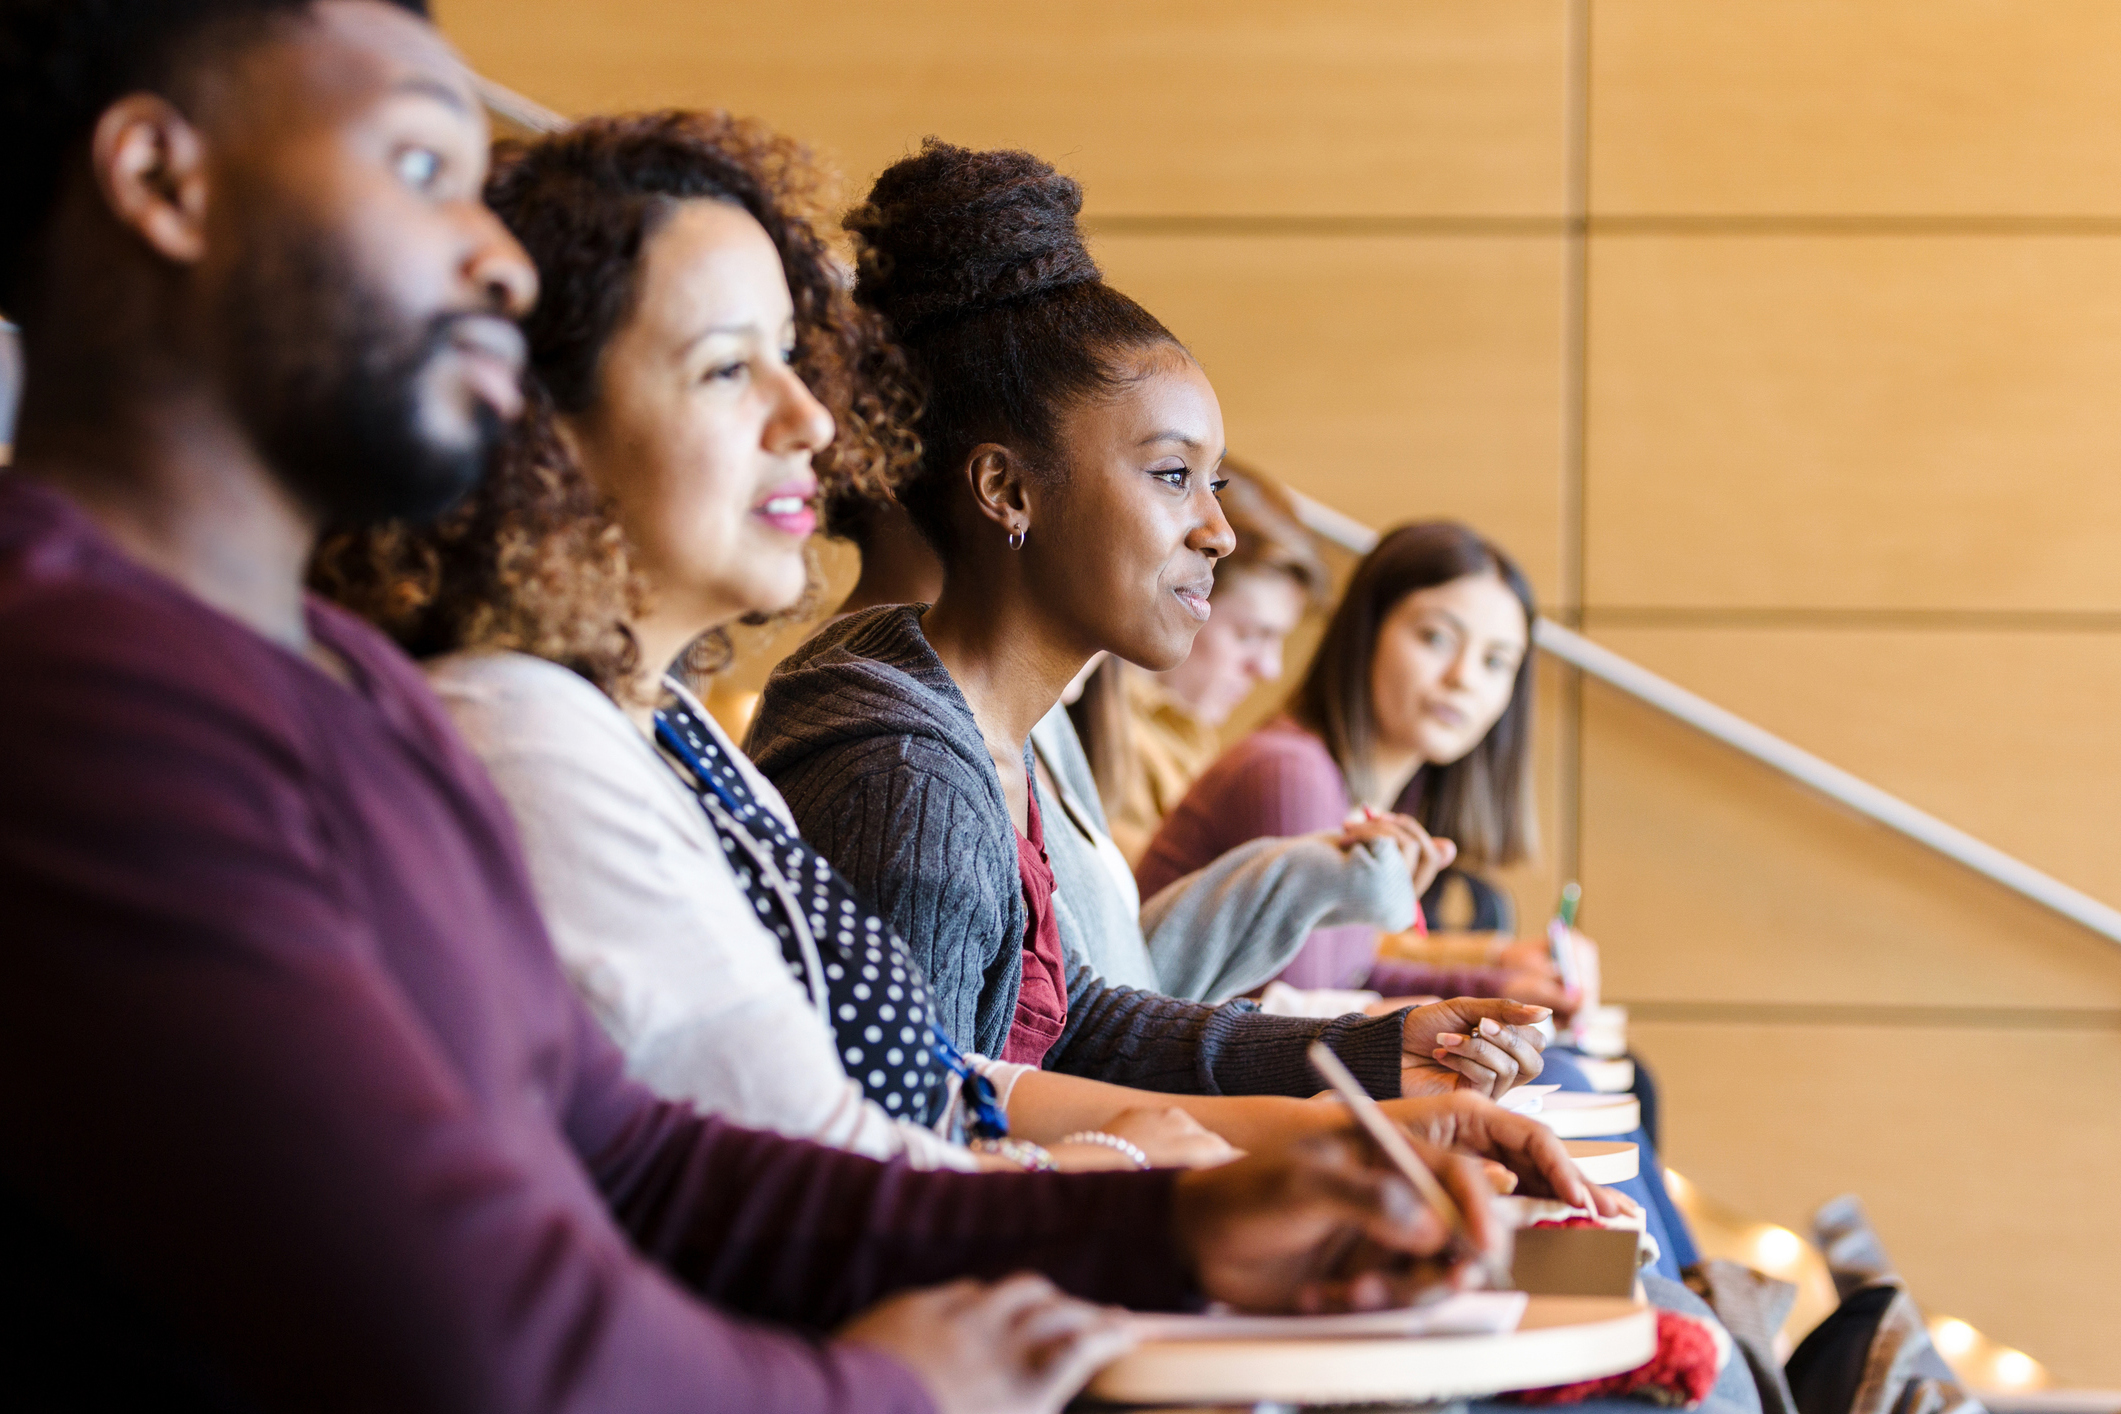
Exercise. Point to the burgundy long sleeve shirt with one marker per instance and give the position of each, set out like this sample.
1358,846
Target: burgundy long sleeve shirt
298,1112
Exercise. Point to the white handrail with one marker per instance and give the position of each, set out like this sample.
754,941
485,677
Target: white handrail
1772,751
526,113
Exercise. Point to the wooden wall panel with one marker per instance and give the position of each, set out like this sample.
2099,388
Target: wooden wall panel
2006,733
1986,1159
1208,106
1854,422
1396,378
1826,368
1708,878
1979,107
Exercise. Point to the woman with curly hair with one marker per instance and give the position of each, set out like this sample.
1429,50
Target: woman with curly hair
694,358
1068,484
698,374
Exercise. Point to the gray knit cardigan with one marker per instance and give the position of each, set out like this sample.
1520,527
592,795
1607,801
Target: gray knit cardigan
878,755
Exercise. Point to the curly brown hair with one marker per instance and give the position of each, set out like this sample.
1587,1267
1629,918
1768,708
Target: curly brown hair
534,559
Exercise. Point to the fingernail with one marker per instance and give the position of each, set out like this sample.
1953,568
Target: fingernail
1449,1040
1489,1028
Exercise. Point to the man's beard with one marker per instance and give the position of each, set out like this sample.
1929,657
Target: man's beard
331,382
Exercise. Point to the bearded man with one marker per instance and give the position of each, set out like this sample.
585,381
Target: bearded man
296,1109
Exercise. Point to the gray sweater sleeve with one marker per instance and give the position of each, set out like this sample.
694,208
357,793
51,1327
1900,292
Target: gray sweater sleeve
1154,1042
918,850
1234,924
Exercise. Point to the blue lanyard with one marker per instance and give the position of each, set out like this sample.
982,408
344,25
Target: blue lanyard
988,1120
682,749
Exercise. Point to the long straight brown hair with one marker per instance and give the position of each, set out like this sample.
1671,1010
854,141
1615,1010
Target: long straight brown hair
1483,801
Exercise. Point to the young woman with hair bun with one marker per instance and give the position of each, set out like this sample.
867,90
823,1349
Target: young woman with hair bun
1067,482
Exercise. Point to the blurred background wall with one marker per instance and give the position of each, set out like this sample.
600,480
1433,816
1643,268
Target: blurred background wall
1781,340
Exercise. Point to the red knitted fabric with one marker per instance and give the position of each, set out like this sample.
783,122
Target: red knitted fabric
1042,1001
1682,1372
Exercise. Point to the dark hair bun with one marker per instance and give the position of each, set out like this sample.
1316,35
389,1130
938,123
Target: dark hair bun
951,231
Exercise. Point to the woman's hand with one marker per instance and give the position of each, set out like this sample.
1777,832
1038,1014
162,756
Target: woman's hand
1327,1224
1527,953
1426,857
1170,1137
1520,1143
1011,1347
1541,986
1485,1044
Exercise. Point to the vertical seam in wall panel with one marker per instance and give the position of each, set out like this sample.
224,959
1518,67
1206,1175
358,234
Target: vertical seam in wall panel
1576,255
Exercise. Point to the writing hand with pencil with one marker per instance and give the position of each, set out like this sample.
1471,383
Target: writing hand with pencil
1329,1223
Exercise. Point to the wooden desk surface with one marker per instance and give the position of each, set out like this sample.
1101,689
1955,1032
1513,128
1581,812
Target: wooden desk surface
1607,1161
1561,1339
1580,1116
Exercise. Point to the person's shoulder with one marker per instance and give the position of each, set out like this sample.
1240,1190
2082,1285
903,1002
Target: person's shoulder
519,712
880,641
1281,746
864,686
57,569
83,625
498,684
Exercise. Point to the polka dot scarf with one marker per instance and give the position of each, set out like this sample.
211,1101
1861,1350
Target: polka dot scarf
865,985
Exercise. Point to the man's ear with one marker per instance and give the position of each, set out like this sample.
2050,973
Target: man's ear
1000,487
150,165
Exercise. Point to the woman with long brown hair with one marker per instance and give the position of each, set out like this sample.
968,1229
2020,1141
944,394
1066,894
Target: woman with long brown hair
1419,700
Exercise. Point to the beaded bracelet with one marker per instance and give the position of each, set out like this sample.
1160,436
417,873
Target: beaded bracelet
1029,1157
1110,1141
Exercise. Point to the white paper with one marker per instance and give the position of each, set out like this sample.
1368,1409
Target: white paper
1467,1313
1526,1099
1582,1100
1281,999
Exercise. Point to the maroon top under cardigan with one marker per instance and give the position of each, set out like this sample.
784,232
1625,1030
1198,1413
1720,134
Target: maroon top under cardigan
298,1111
1042,1001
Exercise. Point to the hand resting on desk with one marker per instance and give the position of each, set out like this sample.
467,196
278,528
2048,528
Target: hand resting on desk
1483,1044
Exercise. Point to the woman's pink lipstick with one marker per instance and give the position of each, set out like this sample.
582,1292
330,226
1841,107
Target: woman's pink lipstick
791,508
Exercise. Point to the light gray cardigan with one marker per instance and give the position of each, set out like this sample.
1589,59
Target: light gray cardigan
1222,930
879,758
